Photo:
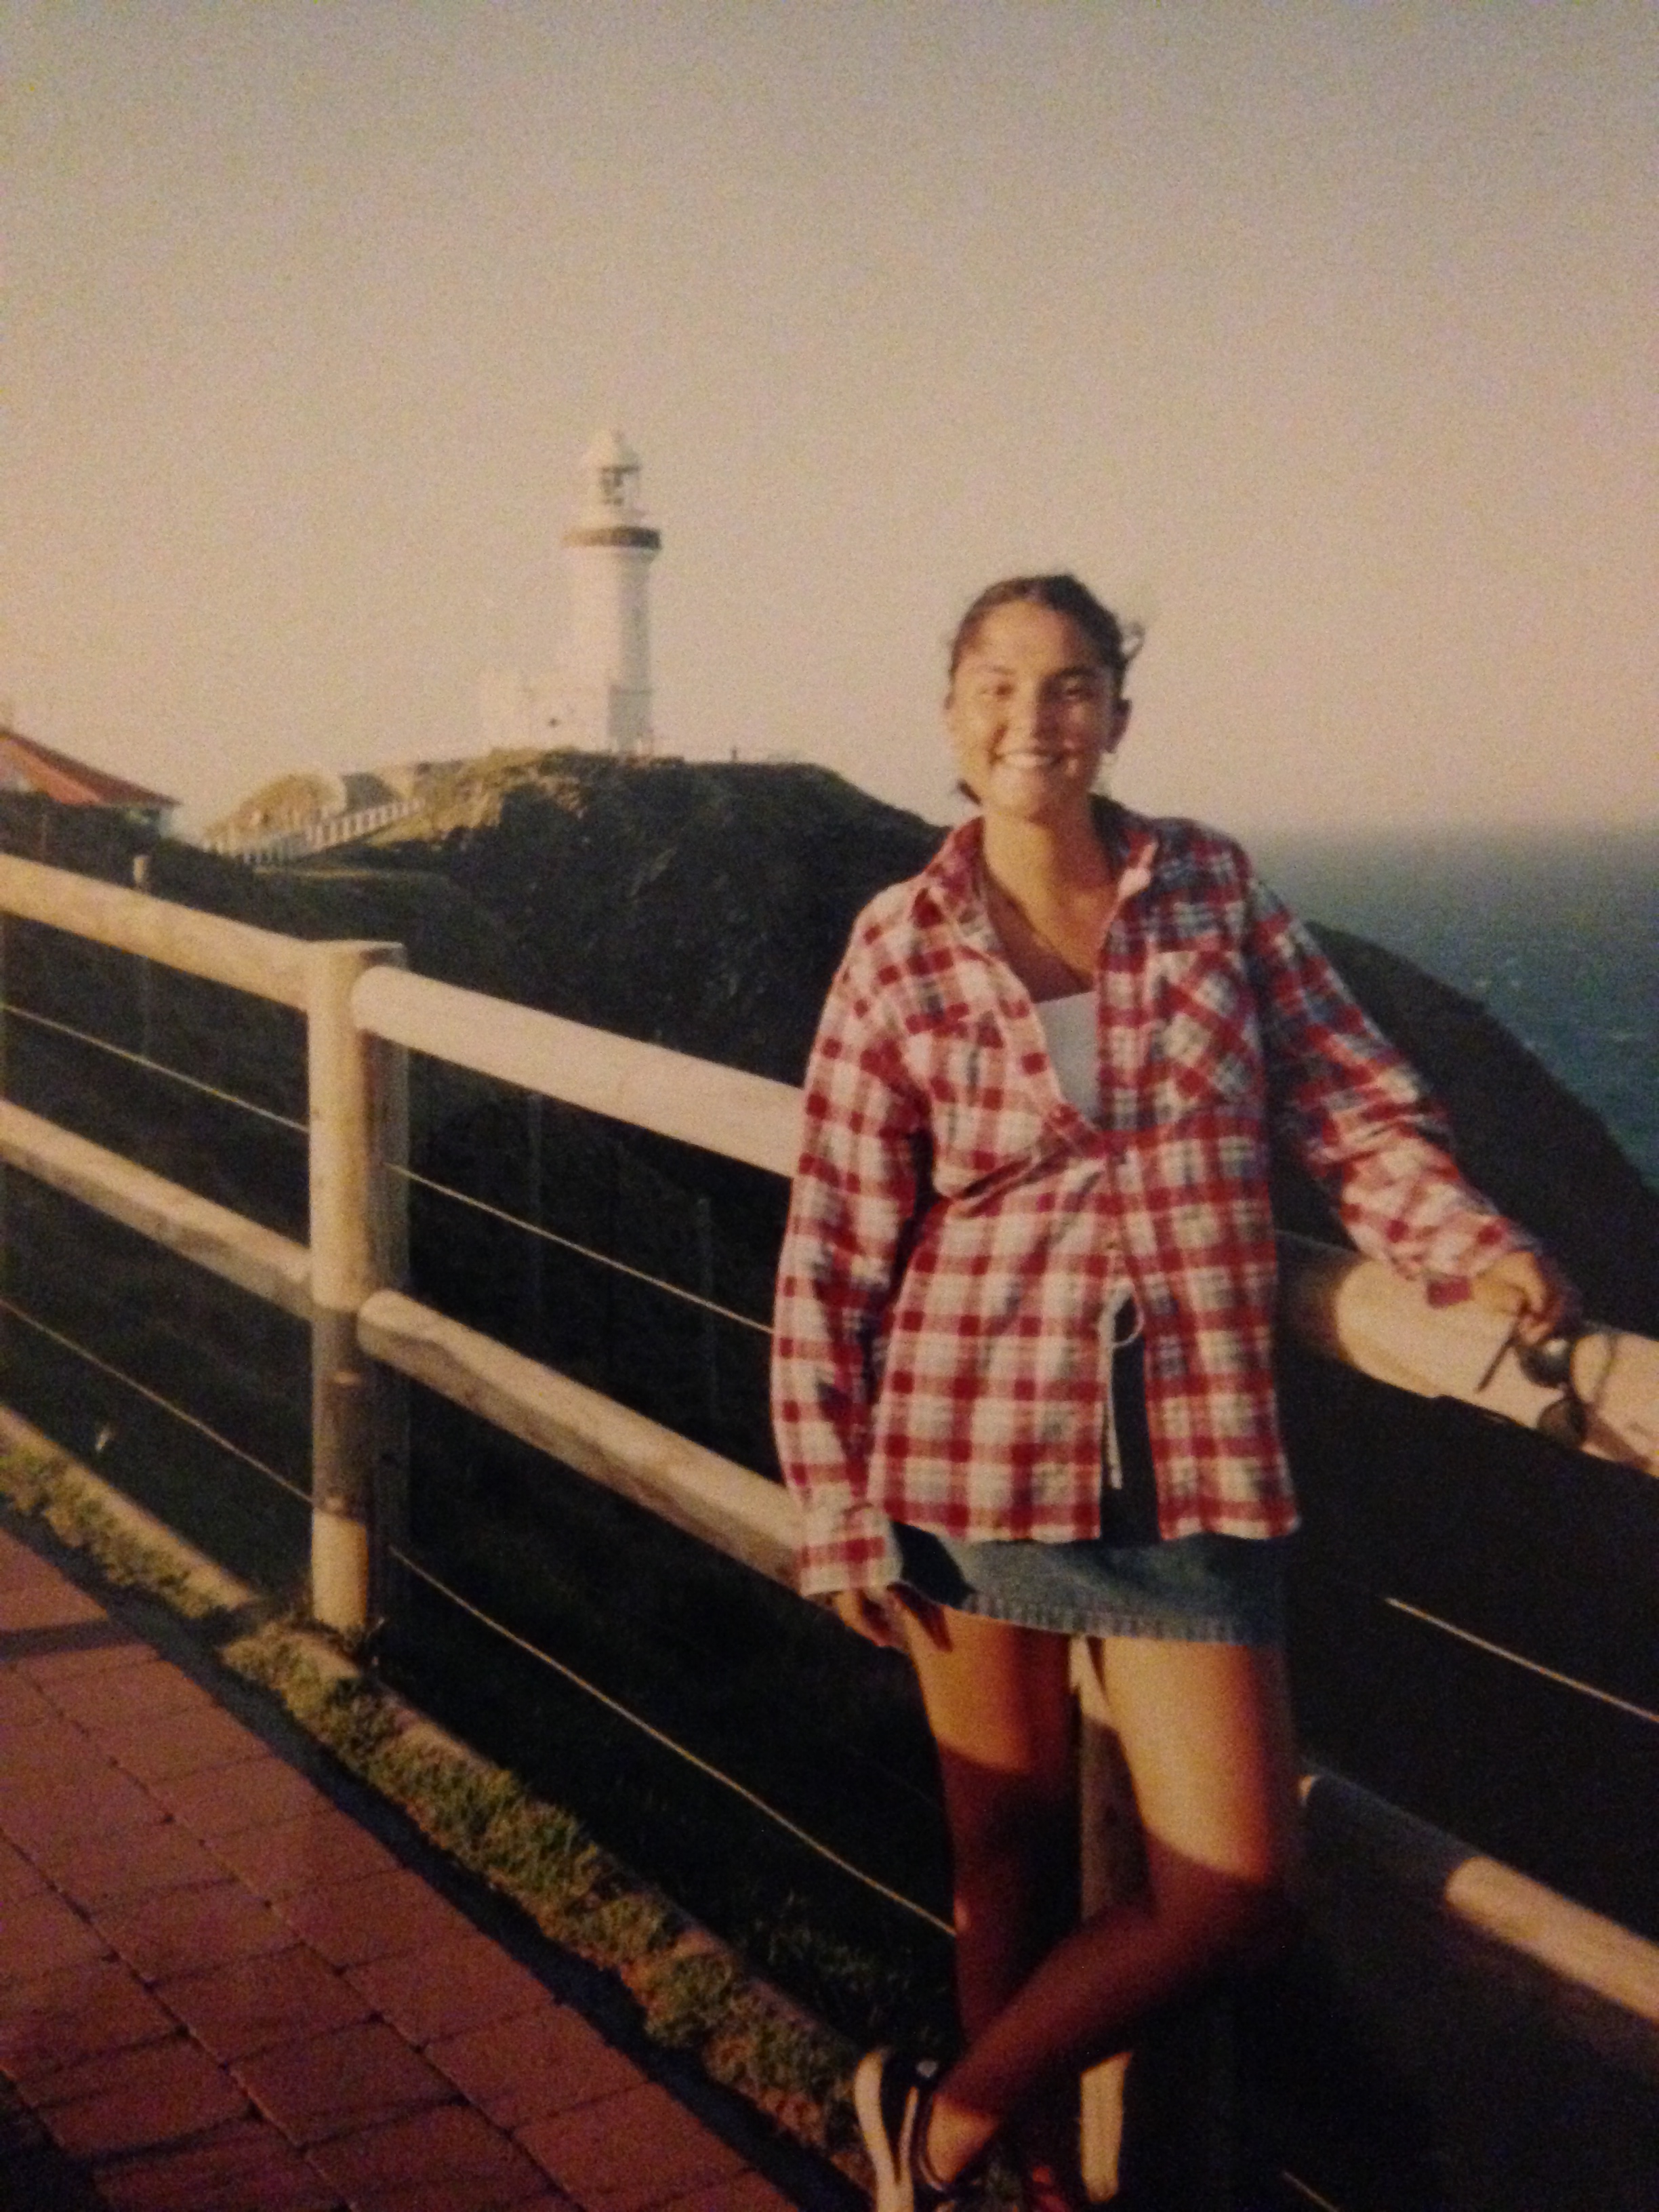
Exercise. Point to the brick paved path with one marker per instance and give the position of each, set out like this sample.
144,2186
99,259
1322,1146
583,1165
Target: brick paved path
219,1994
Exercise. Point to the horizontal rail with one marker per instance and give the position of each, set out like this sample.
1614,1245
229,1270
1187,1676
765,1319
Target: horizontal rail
721,1109
725,1506
1580,1953
235,953
255,1259
1361,1314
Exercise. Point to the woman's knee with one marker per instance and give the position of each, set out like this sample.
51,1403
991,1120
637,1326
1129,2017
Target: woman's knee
1003,1821
1226,1918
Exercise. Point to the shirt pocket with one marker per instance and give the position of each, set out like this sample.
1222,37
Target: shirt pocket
982,1116
1204,1046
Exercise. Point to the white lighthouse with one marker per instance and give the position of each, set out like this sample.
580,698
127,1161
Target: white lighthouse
609,549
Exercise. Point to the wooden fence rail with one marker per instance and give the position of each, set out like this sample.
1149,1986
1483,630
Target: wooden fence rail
365,1013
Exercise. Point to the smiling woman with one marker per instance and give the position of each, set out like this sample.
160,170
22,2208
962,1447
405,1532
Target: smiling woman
1022,1364
1035,713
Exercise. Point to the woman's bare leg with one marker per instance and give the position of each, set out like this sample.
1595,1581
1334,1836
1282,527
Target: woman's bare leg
999,1704
1205,1729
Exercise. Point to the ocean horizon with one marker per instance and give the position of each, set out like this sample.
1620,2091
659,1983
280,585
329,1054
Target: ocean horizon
1556,933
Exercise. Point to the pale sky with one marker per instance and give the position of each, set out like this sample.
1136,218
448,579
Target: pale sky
1319,337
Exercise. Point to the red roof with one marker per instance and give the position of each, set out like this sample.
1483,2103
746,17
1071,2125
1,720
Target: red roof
27,766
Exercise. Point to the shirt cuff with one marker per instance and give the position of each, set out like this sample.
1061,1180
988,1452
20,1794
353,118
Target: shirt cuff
847,1547
1454,1263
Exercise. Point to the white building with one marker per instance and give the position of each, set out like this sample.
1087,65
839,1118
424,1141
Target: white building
600,699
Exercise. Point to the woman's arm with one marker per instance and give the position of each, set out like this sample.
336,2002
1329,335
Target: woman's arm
1362,1122
855,1195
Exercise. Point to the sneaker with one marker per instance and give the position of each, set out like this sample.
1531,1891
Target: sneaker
890,2095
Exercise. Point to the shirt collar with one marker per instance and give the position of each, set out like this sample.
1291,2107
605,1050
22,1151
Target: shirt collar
953,873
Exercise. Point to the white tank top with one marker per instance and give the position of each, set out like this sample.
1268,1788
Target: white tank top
1071,1026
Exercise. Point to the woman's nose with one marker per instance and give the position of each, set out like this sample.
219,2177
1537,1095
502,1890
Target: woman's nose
1027,713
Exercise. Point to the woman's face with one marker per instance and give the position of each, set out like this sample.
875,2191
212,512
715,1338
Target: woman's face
1031,714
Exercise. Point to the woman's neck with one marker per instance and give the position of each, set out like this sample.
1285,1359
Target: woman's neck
1052,889
1056,859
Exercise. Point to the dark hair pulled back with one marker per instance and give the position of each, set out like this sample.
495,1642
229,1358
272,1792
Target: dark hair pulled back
1116,642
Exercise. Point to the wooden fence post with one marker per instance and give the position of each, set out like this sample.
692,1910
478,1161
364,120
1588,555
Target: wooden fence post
359,1243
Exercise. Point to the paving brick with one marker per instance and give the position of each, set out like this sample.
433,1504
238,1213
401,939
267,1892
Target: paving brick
629,2151
38,1803
745,2193
445,2159
18,1877
342,2084
251,2003
13,1550
188,1740
41,1934
320,1847
353,1921
96,1645
446,1987
97,1870
127,2099
521,2070
242,2166
59,2018
53,1746
251,1794
20,1700
34,1604
113,1699
181,1931
21,1570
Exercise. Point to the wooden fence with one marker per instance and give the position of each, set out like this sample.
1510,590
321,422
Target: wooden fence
365,1012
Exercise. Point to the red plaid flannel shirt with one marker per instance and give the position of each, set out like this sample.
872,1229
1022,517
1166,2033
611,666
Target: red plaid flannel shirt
959,1233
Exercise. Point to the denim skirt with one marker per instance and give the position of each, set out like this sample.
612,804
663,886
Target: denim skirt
1201,1590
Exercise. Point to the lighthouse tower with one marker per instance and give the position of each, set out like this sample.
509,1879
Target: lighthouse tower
609,549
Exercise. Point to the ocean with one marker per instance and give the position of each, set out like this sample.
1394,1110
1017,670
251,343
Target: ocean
1557,933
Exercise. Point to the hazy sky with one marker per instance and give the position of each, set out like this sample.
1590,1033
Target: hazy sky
1321,336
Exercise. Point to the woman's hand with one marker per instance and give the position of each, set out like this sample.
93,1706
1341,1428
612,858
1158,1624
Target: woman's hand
1531,1288
873,1614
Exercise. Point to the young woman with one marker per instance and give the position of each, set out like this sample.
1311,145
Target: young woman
1022,1365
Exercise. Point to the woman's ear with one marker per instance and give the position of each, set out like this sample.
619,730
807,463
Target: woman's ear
1119,724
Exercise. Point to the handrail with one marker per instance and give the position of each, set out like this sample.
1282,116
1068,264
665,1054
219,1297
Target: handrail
259,961
720,1109
727,1507
226,1244
1363,1315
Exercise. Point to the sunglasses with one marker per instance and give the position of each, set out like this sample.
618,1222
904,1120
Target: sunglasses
1549,1364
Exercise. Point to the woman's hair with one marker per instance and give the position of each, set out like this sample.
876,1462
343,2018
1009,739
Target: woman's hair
1117,643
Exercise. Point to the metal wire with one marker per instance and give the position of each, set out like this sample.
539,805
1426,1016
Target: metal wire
156,1066
154,1397
668,1742
1312,2195
584,1251
1515,1658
